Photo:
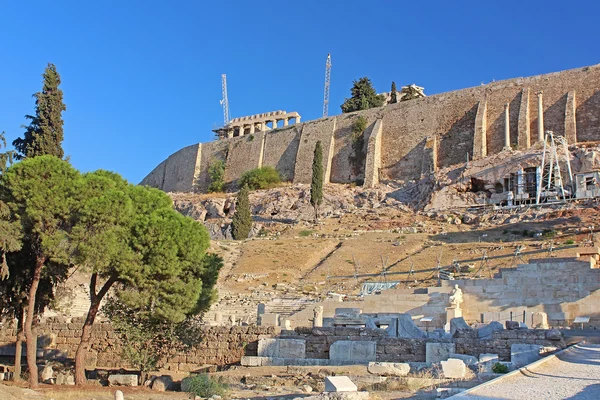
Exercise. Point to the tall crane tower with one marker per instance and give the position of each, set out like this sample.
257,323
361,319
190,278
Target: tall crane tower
327,81
224,101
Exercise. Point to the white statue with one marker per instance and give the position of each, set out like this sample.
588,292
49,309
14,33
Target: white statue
456,298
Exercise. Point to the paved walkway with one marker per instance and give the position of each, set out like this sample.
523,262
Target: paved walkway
573,374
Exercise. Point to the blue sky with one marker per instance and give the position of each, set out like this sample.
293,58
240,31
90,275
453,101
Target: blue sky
141,79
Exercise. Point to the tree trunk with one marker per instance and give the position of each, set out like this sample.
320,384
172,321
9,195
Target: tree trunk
19,345
30,337
316,213
86,331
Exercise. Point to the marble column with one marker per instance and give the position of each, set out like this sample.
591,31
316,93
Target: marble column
230,133
506,126
297,120
241,130
252,127
286,121
540,116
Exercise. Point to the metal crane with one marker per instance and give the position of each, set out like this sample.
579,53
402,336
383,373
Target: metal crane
327,81
224,101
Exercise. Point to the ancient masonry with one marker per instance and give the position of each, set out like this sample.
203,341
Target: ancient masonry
403,141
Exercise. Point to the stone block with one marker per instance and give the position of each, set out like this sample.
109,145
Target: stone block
457,324
408,329
512,325
119,395
523,354
467,359
539,320
388,369
486,332
353,351
283,348
488,357
339,384
123,380
65,379
454,368
269,319
47,374
436,352
553,334
163,383
348,313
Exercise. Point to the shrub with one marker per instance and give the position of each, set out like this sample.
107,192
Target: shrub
216,172
305,233
203,386
260,178
570,241
499,368
358,127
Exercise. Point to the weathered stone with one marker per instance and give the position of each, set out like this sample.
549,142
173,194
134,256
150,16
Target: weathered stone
119,395
283,348
269,319
339,384
123,380
65,378
408,329
487,331
436,352
47,374
361,351
388,369
467,359
163,383
523,354
458,324
553,334
488,357
454,368
347,312
512,325
539,320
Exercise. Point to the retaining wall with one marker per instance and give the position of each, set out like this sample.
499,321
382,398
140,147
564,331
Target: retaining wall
459,123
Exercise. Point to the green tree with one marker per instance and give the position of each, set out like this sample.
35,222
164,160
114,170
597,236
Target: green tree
242,217
131,237
394,94
260,178
316,185
363,96
44,135
41,194
216,172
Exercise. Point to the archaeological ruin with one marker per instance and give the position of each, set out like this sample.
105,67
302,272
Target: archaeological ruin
403,142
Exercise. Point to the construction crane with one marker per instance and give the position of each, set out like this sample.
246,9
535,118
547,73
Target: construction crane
224,101
550,182
327,81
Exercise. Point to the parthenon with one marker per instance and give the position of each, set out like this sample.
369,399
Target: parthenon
258,122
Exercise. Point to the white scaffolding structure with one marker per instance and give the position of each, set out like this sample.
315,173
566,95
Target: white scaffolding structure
224,100
550,182
327,82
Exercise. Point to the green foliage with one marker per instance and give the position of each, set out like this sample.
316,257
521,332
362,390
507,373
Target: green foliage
260,178
216,173
316,184
44,135
358,128
393,94
363,97
305,233
242,217
203,386
548,233
570,241
499,368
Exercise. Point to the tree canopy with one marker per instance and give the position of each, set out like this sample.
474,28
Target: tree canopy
241,223
44,134
363,97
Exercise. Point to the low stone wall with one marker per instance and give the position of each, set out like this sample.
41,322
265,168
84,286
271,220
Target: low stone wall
218,346
319,340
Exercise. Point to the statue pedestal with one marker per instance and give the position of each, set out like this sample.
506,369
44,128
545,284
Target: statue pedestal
452,312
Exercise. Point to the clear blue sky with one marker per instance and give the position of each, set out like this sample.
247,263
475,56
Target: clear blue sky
141,79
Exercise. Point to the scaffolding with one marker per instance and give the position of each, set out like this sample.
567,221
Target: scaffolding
551,186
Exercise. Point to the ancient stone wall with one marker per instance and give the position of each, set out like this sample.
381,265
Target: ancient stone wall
218,345
389,349
460,123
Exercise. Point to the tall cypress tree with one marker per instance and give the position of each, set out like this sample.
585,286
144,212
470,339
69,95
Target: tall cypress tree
44,135
242,218
394,98
316,185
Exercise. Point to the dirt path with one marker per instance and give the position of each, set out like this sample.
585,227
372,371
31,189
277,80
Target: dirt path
573,374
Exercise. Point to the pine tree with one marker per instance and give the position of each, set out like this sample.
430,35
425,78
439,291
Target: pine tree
363,96
316,185
44,135
394,96
242,218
